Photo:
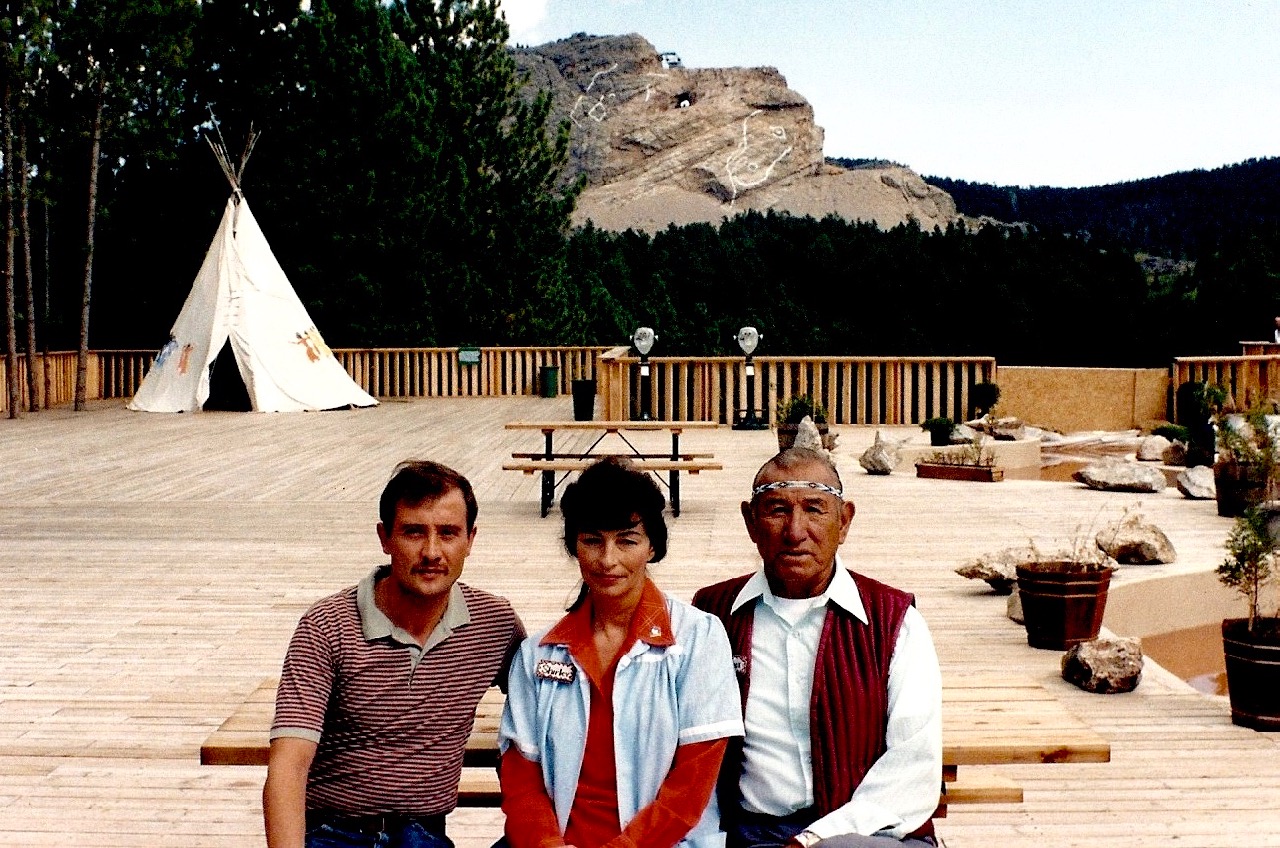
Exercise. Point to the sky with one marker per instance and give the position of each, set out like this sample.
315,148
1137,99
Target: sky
1012,92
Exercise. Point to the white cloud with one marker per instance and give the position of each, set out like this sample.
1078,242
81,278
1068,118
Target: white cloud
525,18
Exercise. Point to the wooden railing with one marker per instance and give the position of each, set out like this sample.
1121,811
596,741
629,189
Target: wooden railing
1248,380
1262,348
854,390
466,372
111,374
120,372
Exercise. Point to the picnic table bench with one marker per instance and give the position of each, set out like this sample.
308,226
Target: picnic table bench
549,461
987,719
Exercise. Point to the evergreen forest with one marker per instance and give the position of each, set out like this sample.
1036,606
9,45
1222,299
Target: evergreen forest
411,186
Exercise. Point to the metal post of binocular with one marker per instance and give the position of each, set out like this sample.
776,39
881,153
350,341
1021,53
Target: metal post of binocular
748,338
643,340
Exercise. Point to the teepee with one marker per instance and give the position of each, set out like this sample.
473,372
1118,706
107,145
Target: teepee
241,298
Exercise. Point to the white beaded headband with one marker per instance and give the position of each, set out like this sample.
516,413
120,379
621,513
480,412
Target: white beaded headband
795,484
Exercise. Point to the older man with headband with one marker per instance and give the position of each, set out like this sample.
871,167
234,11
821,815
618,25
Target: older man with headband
840,686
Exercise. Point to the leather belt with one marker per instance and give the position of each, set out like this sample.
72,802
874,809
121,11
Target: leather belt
375,824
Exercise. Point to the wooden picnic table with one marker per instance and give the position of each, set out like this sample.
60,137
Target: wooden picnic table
987,719
550,461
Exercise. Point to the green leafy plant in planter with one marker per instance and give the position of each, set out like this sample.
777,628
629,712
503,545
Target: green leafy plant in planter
1245,472
1172,432
1178,436
1251,645
794,410
939,430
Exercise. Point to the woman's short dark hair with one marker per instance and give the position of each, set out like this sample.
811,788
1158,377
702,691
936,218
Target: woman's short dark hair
609,495
417,480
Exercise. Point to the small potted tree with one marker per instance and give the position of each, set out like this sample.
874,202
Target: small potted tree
982,398
1244,474
1198,403
1251,645
794,410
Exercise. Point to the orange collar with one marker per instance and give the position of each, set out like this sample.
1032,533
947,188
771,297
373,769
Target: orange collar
650,623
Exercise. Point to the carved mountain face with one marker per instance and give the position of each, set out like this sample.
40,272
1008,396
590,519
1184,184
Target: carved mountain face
660,143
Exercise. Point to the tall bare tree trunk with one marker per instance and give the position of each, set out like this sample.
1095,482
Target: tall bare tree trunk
24,225
48,308
95,150
13,384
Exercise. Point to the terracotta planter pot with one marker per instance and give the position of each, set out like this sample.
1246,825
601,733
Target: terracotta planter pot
1239,486
1062,602
945,471
1253,674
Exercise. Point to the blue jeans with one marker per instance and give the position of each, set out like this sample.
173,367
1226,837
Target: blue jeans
406,836
761,833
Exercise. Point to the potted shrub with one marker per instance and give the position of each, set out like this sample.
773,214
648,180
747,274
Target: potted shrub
1064,593
982,398
794,410
1244,474
973,462
1063,601
1172,432
939,430
1251,645
1197,403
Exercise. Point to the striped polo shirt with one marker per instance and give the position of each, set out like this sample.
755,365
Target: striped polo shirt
390,718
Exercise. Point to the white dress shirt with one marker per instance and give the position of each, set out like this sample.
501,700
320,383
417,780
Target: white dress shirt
900,791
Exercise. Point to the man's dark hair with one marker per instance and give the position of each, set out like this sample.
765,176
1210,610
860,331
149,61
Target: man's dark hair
610,494
416,480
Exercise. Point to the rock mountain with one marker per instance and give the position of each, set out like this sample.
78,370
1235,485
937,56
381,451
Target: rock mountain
660,143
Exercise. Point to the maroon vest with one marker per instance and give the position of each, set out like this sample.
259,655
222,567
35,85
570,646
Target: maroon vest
848,715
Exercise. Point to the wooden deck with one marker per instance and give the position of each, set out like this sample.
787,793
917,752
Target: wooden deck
153,567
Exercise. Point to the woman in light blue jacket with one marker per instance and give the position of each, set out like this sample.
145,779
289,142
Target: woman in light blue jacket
617,716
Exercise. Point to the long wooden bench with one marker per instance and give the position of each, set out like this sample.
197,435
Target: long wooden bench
633,456
241,740
479,788
577,462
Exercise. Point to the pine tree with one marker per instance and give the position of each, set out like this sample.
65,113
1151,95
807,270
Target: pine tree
496,237
125,61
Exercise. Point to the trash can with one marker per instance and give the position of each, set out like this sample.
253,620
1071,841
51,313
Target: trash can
584,400
549,378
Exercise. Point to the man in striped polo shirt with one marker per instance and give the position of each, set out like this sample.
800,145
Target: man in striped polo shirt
381,681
